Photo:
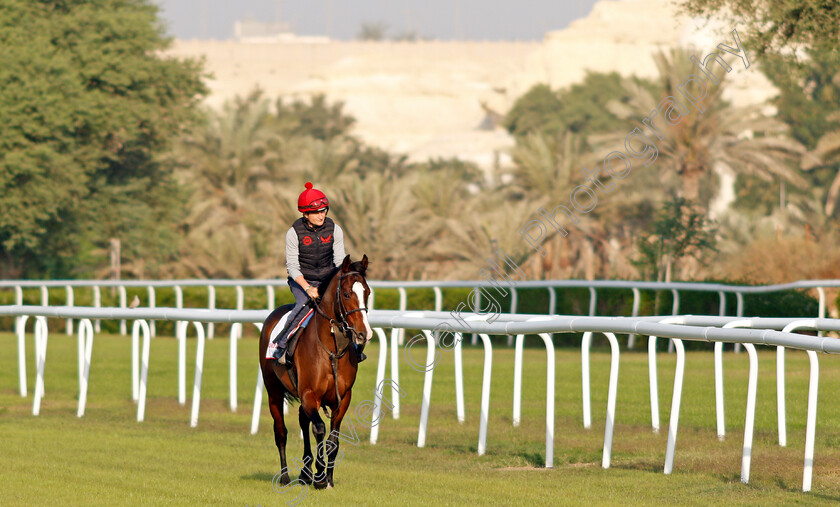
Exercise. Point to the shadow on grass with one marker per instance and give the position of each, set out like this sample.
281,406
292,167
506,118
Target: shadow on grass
831,498
797,488
259,476
645,465
535,459
730,477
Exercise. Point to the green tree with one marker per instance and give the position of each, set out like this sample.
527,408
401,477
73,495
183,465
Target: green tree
89,104
809,94
809,91
796,41
538,110
771,25
677,232
316,119
580,108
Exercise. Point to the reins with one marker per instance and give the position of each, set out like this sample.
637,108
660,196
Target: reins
338,326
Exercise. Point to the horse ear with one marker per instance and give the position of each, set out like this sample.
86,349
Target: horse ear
345,264
364,263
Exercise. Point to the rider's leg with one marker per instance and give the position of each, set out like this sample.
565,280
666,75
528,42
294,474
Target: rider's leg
296,314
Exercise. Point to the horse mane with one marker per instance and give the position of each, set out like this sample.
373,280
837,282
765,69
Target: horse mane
354,266
321,288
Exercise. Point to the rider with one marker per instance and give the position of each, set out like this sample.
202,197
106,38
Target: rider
314,245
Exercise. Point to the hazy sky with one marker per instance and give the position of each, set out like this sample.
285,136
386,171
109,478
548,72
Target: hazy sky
341,19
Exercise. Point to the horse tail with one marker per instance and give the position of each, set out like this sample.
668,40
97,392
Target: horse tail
290,398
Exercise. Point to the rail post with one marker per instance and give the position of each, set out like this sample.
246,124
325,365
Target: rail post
380,378
144,369
123,304
631,338
211,305
97,303
41,335
85,351
68,289
152,304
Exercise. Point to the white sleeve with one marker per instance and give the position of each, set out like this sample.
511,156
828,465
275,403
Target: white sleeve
292,260
338,246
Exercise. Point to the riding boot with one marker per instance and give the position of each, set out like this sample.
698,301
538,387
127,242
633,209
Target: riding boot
290,344
280,352
361,355
283,339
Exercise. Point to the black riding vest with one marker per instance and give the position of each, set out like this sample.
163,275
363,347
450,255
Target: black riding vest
315,249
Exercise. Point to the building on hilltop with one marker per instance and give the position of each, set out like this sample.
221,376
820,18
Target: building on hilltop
254,31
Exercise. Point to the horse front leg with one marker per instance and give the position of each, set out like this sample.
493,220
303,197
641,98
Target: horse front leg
306,466
335,430
275,405
319,429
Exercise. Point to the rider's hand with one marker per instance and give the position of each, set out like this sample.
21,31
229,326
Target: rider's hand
312,292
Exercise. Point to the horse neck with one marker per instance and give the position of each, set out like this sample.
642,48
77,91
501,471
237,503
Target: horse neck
328,301
328,307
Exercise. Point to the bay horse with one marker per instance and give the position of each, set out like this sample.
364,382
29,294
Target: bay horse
325,365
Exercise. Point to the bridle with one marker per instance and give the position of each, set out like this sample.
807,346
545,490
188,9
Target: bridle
341,324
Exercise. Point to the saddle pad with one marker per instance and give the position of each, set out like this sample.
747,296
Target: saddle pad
278,328
306,319
272,346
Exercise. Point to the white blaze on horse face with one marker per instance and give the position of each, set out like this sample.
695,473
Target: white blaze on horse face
359,290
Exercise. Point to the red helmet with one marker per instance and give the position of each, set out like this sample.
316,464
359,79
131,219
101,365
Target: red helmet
312,199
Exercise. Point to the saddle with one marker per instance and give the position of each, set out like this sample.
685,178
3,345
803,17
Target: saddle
291,346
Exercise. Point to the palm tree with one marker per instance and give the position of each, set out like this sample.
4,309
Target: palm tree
549,167
546,171
229,166
379,218
827,153
723,137
481,224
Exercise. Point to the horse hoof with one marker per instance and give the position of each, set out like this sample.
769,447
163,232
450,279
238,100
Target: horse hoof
329,486
305,478
320,485
280,481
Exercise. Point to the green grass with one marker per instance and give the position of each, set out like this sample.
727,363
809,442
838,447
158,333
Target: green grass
106,457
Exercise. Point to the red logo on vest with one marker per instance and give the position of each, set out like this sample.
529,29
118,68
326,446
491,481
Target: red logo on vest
307,240
326,239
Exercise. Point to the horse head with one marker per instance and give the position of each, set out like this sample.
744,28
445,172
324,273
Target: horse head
352,300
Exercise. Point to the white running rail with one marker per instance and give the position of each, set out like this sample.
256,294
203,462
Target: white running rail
698,328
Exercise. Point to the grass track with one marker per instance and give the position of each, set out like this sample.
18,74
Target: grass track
108,458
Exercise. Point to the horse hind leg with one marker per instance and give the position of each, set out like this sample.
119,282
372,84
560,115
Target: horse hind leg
306,465
275,404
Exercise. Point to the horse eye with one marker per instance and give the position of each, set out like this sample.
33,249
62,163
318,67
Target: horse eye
347,294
